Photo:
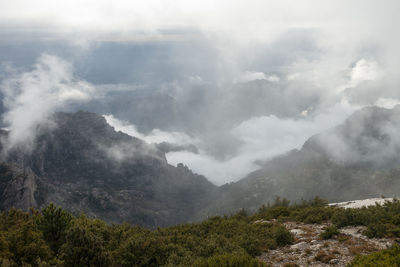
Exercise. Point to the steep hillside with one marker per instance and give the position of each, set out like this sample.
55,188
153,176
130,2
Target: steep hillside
81,163
358,159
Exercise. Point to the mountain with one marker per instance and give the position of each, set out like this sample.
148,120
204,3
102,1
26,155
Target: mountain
357,159
81,163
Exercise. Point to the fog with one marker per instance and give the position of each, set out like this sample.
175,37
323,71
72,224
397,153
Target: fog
241,81
30,97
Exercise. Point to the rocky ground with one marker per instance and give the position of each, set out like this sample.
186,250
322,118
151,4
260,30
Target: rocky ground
309,249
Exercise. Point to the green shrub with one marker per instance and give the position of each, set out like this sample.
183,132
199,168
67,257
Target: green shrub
387,258
376,230
85,245
346,217
53,222
143,250
55,238
282,236
21,244
279,212
329,232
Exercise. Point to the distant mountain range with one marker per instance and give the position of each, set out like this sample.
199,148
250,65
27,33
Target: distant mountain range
358,159
82,164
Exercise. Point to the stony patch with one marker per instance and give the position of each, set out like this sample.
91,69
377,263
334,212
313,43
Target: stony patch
310,250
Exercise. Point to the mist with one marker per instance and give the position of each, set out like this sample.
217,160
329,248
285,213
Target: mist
30,97
241,82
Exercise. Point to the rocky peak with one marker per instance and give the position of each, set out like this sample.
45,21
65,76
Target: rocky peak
81,163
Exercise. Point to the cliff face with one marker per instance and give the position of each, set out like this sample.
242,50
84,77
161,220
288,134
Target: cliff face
82,164
18,185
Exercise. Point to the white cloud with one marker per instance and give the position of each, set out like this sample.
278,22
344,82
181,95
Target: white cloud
263,137
249,76
362,71
247,21
365,70
30,97
388,103
273,78
155,136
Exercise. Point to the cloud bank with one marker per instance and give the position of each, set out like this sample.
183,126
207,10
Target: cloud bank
262,138
156,136
30,97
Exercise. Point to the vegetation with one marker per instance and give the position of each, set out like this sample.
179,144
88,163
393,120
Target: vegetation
388,258
313,211
381,220
330,232
53,237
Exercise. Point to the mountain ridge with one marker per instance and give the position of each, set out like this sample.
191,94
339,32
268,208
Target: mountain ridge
360,162
83,164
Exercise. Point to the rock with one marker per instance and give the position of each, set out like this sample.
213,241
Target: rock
334,261
20,188
329,252
355,231
82,164
301,245
297,232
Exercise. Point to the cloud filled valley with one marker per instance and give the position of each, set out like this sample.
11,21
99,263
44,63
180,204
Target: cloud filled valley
199,133
224,95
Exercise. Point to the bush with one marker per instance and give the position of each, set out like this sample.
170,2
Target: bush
329,232
282,236
280,212
84,245
387,258
20,242
219,241
347,217
53,223
376,230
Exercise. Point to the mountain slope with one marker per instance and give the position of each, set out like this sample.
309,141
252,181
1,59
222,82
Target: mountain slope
358,159
82,164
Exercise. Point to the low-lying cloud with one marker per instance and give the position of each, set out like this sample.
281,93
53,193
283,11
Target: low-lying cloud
31,96
156,136
262,138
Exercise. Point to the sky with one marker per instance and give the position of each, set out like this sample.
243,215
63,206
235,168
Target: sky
243,81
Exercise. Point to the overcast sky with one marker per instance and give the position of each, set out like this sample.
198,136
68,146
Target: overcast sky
241,80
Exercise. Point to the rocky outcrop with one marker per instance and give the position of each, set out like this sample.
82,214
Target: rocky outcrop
309,249
83,165
19,190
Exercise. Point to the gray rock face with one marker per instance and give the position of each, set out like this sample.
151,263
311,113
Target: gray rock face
20,189
83,164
